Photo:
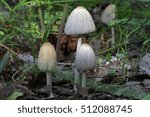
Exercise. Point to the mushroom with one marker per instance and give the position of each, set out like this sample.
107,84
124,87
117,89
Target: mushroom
85,60
79,21
107,16
46,61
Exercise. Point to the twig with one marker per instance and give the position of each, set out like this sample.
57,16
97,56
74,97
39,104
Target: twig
138,4
65,64
61,30
15,74
113,36
8,49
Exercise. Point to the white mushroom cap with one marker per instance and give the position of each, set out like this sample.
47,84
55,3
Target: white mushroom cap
46,57
79,21
85,58
108,14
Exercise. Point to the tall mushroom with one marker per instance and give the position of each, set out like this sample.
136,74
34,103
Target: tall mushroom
108,15
85,60
79,21
46,61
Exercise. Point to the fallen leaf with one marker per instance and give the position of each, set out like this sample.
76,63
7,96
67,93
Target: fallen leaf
15,95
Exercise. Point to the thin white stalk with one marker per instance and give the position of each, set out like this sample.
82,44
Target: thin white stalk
48,78
83,79
76,78
113,36
49,83
79,43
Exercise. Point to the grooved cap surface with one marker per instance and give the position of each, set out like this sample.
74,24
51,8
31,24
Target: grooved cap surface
46,57
85,57
79,21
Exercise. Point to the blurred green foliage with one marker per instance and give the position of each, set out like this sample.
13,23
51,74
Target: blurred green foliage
23,18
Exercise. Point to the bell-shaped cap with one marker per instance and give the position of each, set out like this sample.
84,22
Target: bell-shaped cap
46,57
85,57
79,21
108,14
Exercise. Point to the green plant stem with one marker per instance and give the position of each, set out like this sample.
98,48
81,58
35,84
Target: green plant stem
4,61
58,2
112,48
41,21
8,7
61,30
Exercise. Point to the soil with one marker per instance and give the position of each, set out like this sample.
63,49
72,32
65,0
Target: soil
63,91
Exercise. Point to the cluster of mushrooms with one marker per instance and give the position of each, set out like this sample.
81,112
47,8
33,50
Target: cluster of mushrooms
79,22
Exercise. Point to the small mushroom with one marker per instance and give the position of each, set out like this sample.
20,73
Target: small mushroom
85,60
79,21
46,61
108,15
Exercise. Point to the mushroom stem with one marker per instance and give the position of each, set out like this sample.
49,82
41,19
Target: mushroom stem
113,36
49,83
76,80
79,43
48,78
83,79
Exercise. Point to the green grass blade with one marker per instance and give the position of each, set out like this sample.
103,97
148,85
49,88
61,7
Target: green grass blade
21,3
4,61
5,38
8,7
147,97
22,32
48,29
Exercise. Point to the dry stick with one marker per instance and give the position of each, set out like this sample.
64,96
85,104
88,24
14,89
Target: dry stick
113,36
8,49
65,64
13,76
61,30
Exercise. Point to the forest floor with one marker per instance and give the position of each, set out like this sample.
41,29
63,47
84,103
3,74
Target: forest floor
111,80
